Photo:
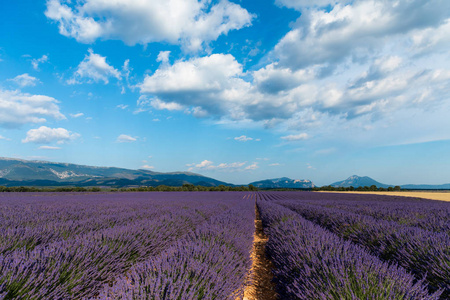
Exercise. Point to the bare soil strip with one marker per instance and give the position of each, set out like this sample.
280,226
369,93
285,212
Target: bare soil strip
442,196
260,285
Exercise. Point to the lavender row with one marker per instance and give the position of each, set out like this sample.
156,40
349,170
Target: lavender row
60,217
422,252
210,263
427,214
312,263
78,267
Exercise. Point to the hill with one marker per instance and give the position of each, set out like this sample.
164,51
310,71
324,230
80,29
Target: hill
18,172
283,182
357,181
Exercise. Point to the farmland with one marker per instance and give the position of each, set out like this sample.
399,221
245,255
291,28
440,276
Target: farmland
199,245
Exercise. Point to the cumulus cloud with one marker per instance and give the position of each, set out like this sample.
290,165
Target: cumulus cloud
123,138
342,62
25,80
37,61
295,137
331,36
190,23
94,68
46,135
209,84
17,108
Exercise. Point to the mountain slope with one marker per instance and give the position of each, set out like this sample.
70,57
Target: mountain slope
14,172
283,182
357,181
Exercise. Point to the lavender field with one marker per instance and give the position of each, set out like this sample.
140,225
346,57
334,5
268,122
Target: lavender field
199,245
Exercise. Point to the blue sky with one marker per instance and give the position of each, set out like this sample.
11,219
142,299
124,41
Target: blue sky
236,90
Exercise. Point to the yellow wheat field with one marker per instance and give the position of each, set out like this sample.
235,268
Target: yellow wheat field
443,196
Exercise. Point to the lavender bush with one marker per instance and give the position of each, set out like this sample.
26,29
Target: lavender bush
75,260
210,263
312,263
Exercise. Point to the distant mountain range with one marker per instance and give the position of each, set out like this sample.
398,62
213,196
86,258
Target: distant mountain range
357,181
17,172
283,182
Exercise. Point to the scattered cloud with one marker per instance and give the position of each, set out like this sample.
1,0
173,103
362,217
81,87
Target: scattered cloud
163,56
253,166
17,108
310,167
147,167
295,137
37,61
77,115
49,148
244,138
94,68
46,135
25,80
189,23
3,138
207,165
123,138
122,106
274,165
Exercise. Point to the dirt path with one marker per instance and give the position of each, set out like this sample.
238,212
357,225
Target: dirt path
261,286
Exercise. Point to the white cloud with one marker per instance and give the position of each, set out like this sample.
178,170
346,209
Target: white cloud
163,56
210,85
244,138
46,135
147,167
253,166
274,165
224,167
295,137
37,61
331,36
190,23
3,138
160,105
301,4
308,165
123,138
94,68
77,115
18,108
25,80
49,148
339,65
122,106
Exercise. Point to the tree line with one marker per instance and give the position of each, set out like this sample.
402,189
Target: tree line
160,188
360,188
